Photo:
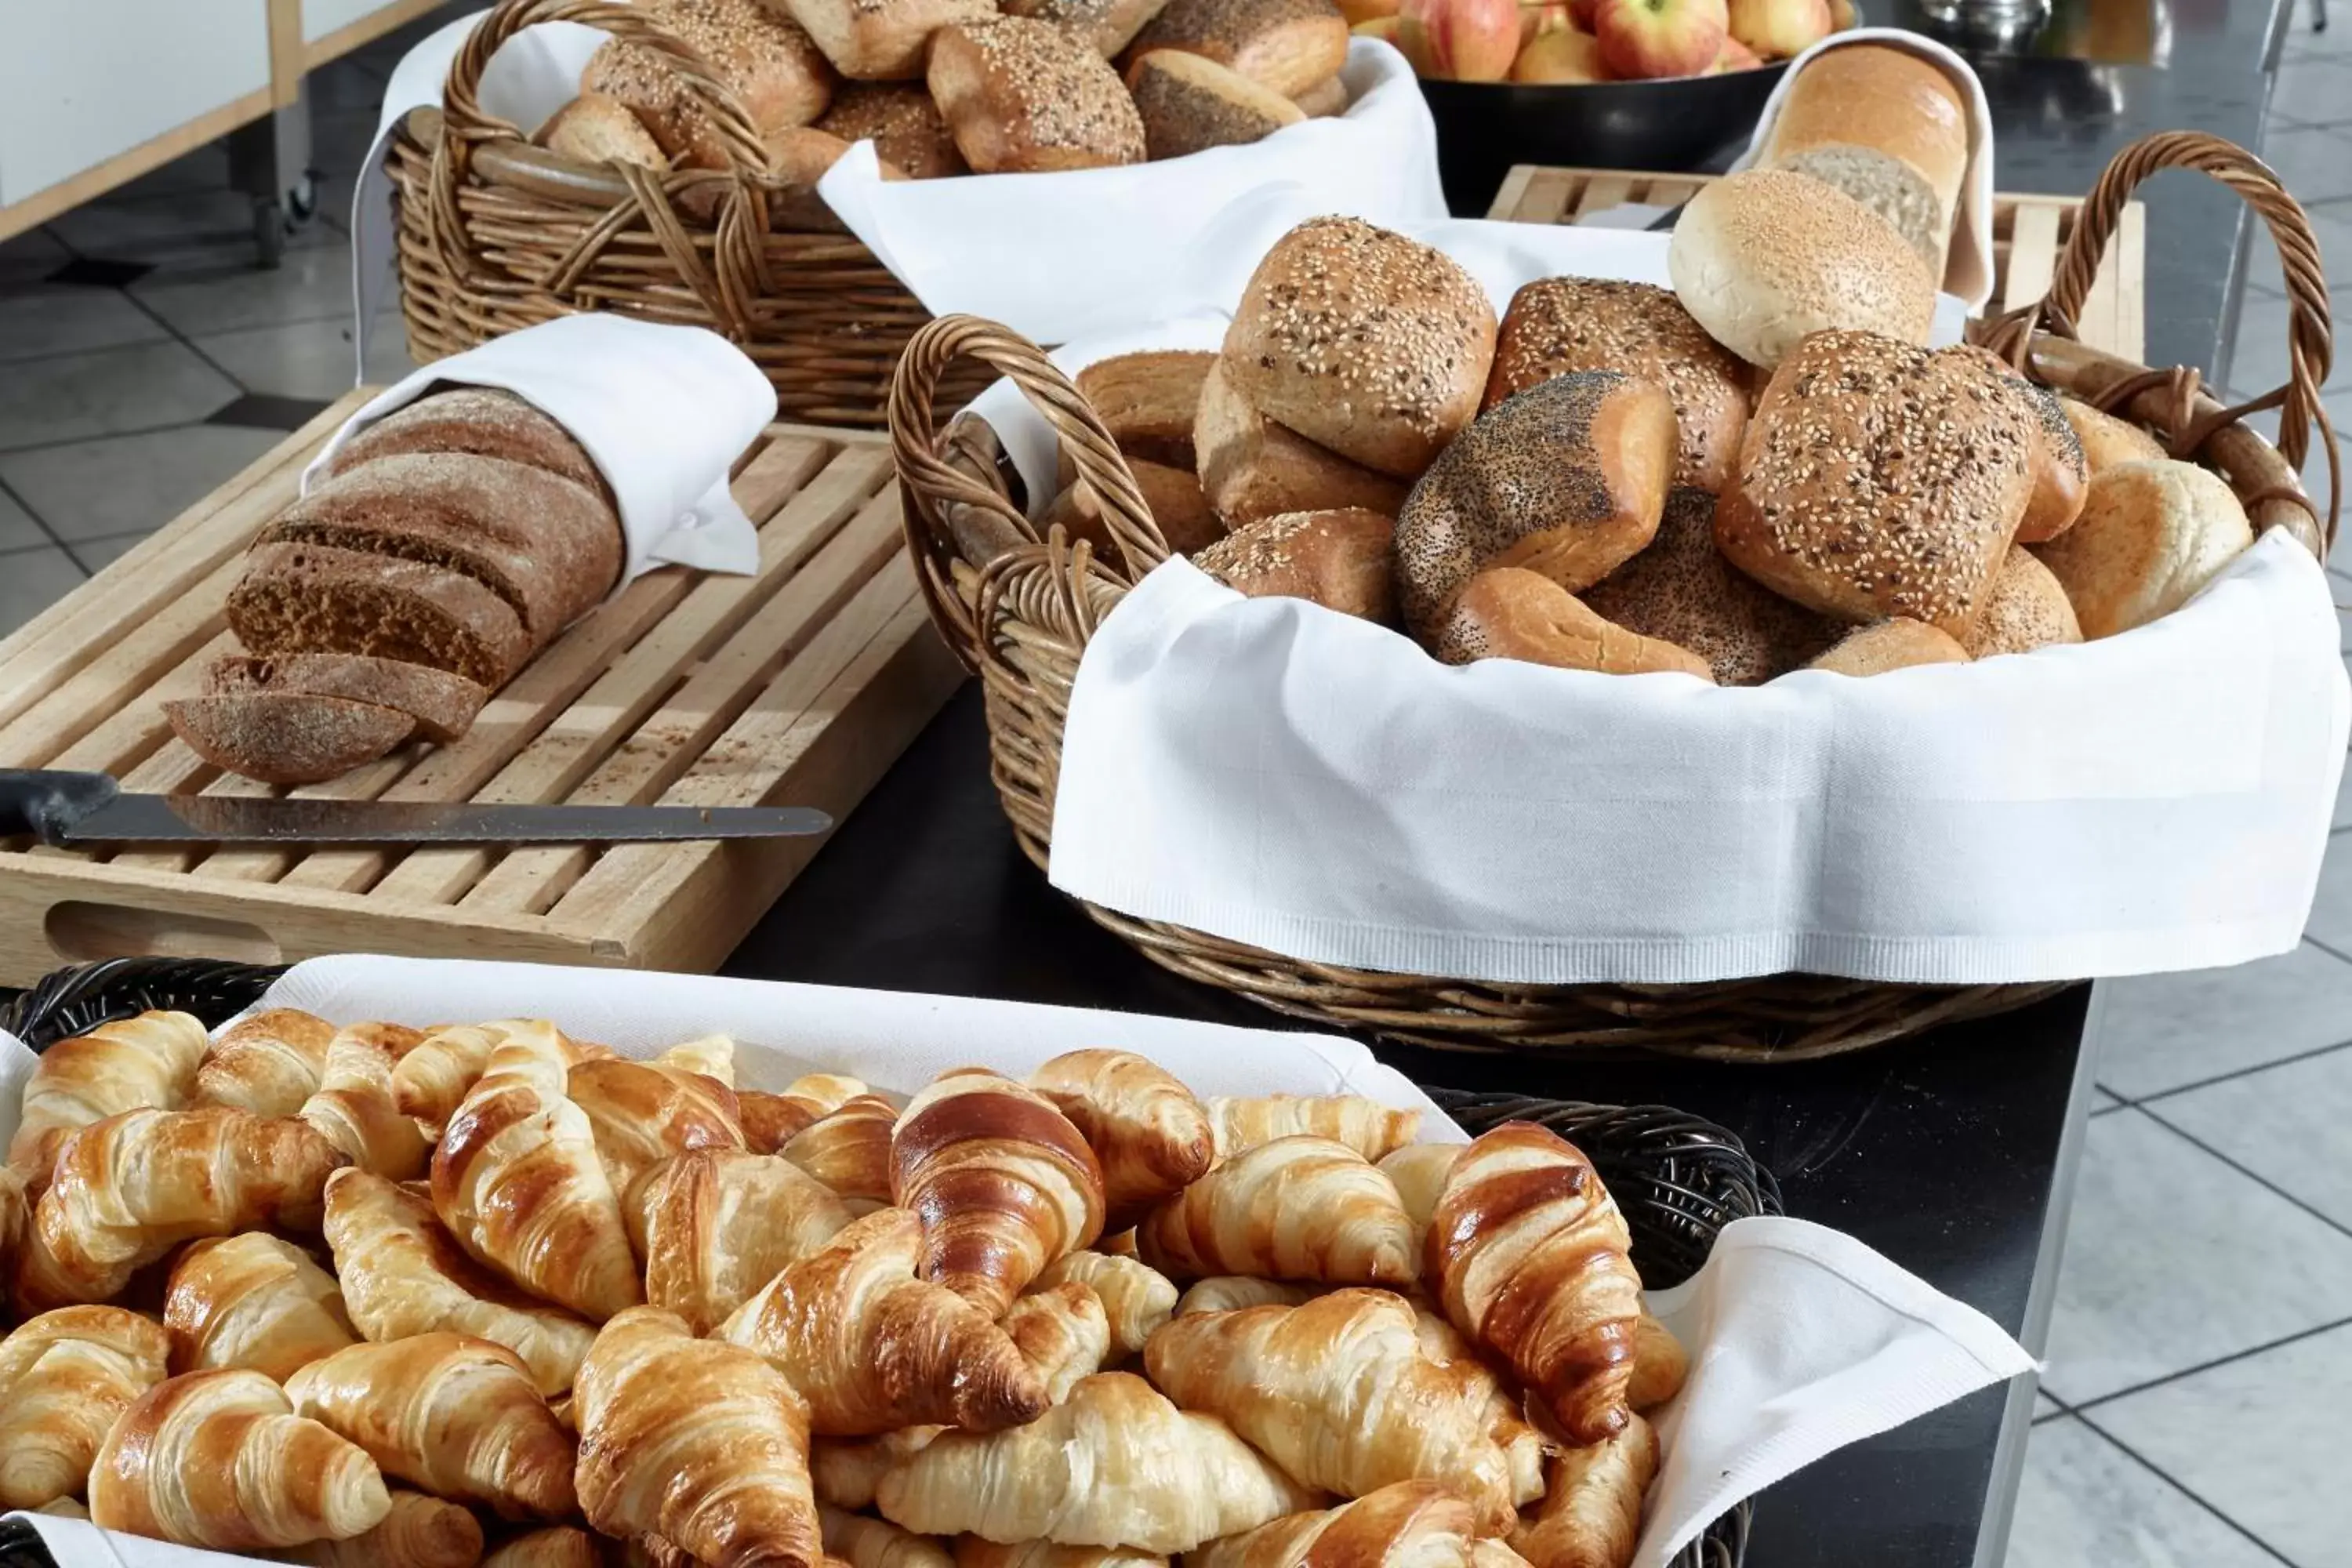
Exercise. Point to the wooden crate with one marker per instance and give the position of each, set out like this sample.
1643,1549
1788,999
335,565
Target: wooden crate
799,686
2027,234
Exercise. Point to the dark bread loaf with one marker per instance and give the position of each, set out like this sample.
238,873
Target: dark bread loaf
1252,467
1189,103
1341,559
442,704
1510,613
773,66
287,737
1289,46
1895,643
315,598
905,126
1026,97
1107,26
480,421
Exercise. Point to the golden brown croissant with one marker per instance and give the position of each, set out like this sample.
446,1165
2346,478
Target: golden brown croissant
845,1470
1660,1364
873,1348
770,1120
971,1552
1591,1516
419,1532
644,1112
1114,1464
696,1440
1001,1182
458,1416
1368,1127
864,1543
63,1507
712,1056
848,1149
1149,1132
149,1061
432,1079
16,1218
64,1377
1525,1448
557,1546
403,1275
253,1300
128,1189
1136,1296
1063,1332
1231,1292
1296,1208
354,1110
518,1181
1338,1394
219,1458
1418,1171
267,1064
1530,1260
1407,1524
716,1225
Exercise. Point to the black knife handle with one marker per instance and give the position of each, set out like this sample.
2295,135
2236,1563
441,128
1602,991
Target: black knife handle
47,803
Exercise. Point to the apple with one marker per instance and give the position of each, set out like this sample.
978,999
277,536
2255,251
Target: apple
1642,38
1776,29
1539,16
1580,15
1843,15
1734,55
1407,38
1359,12
1467,40
1564,56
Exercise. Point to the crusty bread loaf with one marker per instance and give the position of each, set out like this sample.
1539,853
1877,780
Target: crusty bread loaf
315,598
901,120
2151,535
597,128
1252,467
882,40
1364,342
1289,46
1107,26
1324,100
772,66
442,704
287,737
1567,479
2107,440
483,421
1341,559
1888,128
1896,643
1509,613
1149,402
2027,609
2060,474
1173,496
1561,324
1766,258
1026,96
1189,103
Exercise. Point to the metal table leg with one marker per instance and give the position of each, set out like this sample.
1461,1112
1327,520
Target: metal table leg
269,160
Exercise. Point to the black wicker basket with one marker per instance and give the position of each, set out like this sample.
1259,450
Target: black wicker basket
1679,1180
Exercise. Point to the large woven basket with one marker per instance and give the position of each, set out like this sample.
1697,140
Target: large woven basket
495,235
1018,609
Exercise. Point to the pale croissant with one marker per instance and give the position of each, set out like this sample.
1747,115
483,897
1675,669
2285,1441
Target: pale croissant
1525,1449
769,1121
641,1113
1296,1208
1061,1332
1135,1297
873,1348
219,1458
253,1300
848,1149
354,1110
1660,1365
15,1219
267,1064
1591,1516
433,1079
971,1552
1151,1135
419,1532
696,1440
518,1181
1338,1394
1408,1525
557,1546
864,1543
64,1378
1419,1171
1530,1259
1114,1464
712,1056
716,1225
401,1275
1231,1292
128,1189
1368,1127
1002,1181
845,1470
149,1061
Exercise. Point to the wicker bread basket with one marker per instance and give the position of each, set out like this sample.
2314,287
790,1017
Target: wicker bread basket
1018,609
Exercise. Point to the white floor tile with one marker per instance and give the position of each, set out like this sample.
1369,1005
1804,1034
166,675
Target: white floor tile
2258,358
301,359
33,580
129,484
2316,91
18,531
2315,165
2286,1124
54,319
313,284
2167,1031
2085,1503
73,398
2331,908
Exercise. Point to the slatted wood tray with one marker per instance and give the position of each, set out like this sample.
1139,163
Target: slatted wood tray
2027,234
799,686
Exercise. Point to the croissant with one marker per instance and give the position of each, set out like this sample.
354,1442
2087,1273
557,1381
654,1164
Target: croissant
556,1546
873,1348
848,1149
134,1064
128,1189
1113,1465
716,1225
1231,1292
1296,1208
63,1507
1151,1134
1660,1364
1063,1332
267,1064
971,1552
712,1056
16,1218
864,1543
1418,1171
219,1458
1002,1181
403,1275
1337,1392
419,1532
253,1300
1591,1516
64,1377
1135,1297
433,1079
354,1108
1523,1446
770,1120
845,1470
1530,1260
518,1181
696,1440
1368,1127
641,1113
1407,1524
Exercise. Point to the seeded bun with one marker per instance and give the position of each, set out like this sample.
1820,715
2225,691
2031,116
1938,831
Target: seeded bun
1763,258
2151,535
1189,103
1252,467
1341,559
771,64
1289,46
905,126
1894,644
1107,26
1364,342
2059,477
881,40
2028,609
1509,613
1026,96
2107,440
597,128
804,154
1886,126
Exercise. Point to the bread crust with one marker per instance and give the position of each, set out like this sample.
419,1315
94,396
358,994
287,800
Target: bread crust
442,704
1896,643
1511,613
597,128
287,737
1341,559
1149,402
1189,103
1024,96
482,422
1173,496
905,126
1252,467
1679,588
882,40
2107,440
766,58
1886,126
1107,26
2027,609
2151,535
1289,46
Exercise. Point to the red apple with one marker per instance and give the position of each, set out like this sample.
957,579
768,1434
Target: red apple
1406,36
1734,55
1359,12
1540,16
1468,40
1563,56
1659,37
1580,15
1776,29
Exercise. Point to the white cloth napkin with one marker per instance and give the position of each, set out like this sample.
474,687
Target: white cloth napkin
664,412
1969,265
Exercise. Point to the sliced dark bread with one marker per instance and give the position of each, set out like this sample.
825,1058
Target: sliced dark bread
480,420
287,737
315,598
443,704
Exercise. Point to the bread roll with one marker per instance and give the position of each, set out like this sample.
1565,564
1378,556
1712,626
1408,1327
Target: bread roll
1561,324
1341,559
1567,479
2151,535
2060,474
2027,609
882,40
441,705
1026,96
2107,440
803,155
597,128
1175,500
771,65
1764,259
1107,26
1510,613
1252,467
1324,100
1894,644
1189,103
1289,46
1364,342
1681,590
287,737
1149,402
1886,126
901,120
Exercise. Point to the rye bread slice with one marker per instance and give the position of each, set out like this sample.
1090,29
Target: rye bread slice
287,737
480,420
545,545
443,704
315,598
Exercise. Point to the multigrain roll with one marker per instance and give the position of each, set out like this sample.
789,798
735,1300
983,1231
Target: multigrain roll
767,60
1887,127
1173,495
1561,324
597,128
803,155
1364,342
2027,609
1341,559
1189,103
881,40
1325,99
2059,477
1149,402
1896,643
901,120
1509,613
1567,479
1252,467
2151,535
1290,45
1107,26
1026,96
2107,440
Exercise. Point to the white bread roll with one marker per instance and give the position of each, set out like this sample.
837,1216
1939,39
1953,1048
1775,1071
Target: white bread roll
2028,609
1886,126
2151,535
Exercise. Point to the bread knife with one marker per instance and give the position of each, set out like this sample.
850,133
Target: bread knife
78,809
